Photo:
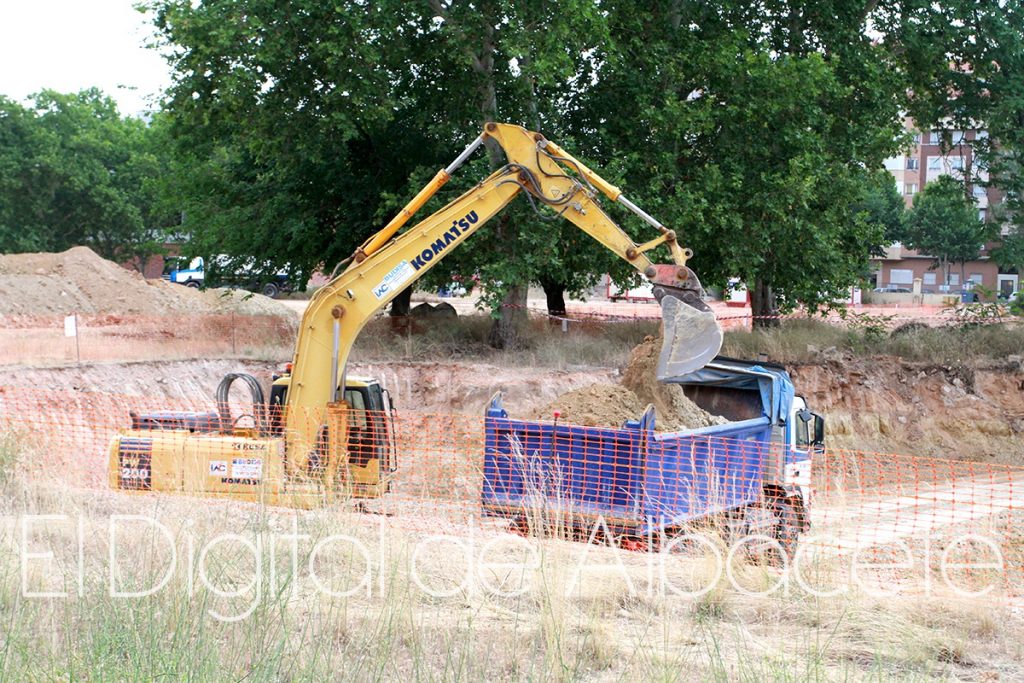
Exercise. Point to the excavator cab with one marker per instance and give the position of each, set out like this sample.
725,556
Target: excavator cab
370,421
370,424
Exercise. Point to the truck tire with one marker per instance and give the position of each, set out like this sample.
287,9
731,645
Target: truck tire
194,284
789,524
271,290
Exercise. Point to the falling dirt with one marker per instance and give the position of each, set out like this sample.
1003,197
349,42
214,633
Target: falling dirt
674,410
80,281
609,405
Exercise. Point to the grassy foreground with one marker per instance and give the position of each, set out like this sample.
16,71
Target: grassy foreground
346,596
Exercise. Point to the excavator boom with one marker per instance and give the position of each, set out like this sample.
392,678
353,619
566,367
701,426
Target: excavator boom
385,264
307,443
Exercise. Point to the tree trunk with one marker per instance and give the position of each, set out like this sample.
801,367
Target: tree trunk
400,304
506,331
555,294
763,305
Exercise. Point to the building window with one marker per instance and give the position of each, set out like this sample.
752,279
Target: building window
954,278
981,135
929,278
911,164
982,215
934,163
956,163
910,189
935,137
976,278
901,276
917,138
958,137
979,192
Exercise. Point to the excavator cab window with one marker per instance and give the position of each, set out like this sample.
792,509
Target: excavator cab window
360,436
369,430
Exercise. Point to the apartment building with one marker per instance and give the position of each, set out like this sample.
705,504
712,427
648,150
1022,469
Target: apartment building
936,153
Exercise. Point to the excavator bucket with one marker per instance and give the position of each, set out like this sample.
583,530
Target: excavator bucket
691,339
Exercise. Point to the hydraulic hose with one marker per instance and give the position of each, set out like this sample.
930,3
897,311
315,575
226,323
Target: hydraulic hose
259,404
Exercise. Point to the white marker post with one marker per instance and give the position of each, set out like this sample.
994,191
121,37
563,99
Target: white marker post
71,330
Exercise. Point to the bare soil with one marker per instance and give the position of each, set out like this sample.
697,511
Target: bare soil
414,387
890,406
80,281
598,405
609,405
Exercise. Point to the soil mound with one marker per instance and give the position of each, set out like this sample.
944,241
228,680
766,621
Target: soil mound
80,281
609,405
674,410
598,405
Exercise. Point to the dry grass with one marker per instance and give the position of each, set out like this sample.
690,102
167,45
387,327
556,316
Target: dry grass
609,344
570,611
543,344
801,341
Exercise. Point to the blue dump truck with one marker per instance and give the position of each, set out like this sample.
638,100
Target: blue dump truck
754,472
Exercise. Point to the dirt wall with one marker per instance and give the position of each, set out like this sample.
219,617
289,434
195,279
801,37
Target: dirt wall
888,405
882,405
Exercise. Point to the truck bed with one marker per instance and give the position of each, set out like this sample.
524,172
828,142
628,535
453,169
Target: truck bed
637,480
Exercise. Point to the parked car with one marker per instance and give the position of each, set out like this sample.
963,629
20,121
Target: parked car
1015,294
891,289
227,275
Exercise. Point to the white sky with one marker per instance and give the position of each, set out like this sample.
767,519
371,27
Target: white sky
68,45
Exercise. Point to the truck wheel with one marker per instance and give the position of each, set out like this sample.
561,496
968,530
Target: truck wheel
193,284
789,524
270,290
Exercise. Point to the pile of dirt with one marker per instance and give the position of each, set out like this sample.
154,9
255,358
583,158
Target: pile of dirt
80,281
598,405
674,410
609,405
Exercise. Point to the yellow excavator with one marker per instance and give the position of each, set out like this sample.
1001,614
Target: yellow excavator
322,435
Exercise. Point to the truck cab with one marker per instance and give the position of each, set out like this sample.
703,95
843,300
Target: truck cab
193,276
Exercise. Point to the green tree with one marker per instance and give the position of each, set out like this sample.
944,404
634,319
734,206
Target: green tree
882,205
27,180
303,129
74,172
756,129
944,224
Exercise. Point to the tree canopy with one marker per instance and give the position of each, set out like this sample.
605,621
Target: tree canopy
944,224
756,130
74,172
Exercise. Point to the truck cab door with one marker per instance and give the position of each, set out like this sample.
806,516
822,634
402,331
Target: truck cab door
805,436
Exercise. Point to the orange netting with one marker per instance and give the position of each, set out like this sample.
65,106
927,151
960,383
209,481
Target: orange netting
905,517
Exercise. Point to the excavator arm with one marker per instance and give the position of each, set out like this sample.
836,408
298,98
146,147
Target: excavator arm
385,265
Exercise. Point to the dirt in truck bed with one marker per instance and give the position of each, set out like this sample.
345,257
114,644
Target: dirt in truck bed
609,405
80,281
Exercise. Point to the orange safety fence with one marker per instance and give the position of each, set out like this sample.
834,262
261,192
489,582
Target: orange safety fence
907,521
100,337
